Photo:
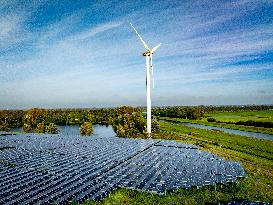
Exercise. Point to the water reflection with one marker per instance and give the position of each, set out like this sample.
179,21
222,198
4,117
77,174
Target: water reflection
99,130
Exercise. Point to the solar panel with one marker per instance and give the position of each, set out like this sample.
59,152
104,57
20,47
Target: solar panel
57,169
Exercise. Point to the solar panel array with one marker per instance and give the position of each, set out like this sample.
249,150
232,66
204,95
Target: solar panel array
42,169
243,202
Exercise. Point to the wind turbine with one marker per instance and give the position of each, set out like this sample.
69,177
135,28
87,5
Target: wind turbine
149,66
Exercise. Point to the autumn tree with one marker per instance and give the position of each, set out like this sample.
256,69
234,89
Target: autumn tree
86,128
41,128
52,128
129,122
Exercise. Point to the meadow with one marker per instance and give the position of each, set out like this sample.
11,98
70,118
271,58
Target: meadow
234,120
256,155
263,115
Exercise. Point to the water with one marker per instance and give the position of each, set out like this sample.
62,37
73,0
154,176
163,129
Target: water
99,130
230,131
107,131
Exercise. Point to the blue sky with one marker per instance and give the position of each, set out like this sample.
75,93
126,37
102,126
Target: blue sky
85,54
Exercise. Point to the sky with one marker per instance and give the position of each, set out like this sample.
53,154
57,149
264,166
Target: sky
58,54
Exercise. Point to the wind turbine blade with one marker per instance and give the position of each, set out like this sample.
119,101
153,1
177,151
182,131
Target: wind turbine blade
145,45
152,66
156,47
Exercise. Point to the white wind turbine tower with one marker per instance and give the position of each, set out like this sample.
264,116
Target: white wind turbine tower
149,66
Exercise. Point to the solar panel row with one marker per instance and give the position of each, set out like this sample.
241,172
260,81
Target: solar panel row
58,169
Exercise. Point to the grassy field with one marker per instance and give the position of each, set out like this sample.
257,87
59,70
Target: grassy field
204,121
264,116
256,155
225,120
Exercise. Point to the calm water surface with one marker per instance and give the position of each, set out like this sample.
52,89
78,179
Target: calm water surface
99,130
107,131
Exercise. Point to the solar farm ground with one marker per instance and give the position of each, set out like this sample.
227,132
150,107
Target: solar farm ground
43,169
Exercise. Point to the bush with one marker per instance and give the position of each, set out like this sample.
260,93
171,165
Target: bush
86,128
4,127
155,125
27,128
52,128
41,128
129,122
255,123
120,131
128,125
210,119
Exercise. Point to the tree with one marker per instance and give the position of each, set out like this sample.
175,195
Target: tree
155,125
27,128
86,128
4,127
41,128
32,118
52,128
129,122
210,119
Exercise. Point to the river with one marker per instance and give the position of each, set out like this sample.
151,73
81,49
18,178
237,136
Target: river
230,131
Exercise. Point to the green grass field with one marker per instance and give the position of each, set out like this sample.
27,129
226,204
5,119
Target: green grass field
264,116
225,120
223,125
256,155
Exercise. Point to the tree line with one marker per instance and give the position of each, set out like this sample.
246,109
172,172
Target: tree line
235,108
45,120
124,119
196,112
191,113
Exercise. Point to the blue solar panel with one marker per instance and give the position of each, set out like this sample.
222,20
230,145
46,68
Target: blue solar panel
58,169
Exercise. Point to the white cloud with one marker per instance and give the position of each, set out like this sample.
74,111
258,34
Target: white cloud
11,27
76,62
96,30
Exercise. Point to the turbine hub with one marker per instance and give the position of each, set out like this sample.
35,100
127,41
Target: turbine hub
147,53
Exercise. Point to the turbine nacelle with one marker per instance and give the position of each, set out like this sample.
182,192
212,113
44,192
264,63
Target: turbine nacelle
147,53
151,52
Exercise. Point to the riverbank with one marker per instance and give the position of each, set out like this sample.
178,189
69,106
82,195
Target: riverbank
223,125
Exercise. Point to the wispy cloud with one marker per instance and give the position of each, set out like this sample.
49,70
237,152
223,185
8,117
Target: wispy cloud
89,51
11,27
13,22
96,30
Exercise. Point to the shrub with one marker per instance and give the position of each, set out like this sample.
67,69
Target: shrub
86,128
52,128
210,119
27,128
120,131
4,127
155,125
255,123
128,125
34,116
41,128
129,122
